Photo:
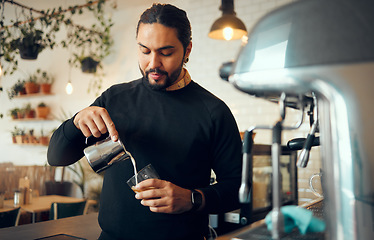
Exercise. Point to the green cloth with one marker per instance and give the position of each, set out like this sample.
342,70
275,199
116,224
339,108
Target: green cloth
298,217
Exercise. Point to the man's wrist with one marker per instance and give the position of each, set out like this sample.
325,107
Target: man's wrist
196,200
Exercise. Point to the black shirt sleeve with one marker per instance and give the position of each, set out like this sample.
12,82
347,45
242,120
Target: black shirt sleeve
66,145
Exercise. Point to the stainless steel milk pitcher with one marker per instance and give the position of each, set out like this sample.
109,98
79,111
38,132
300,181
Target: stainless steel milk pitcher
105,153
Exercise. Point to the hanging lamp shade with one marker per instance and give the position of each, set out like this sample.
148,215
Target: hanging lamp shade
228,27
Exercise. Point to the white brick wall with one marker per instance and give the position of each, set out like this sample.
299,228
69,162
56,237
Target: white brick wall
208,55
206,58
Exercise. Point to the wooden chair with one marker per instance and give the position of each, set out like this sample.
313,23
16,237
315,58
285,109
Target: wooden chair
63,210
10,218
59,188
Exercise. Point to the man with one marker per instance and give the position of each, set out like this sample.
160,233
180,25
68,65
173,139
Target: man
168,120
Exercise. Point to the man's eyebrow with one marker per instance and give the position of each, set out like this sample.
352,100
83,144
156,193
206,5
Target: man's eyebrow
161,48
142,45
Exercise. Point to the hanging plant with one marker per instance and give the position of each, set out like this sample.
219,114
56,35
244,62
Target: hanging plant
27,37
89,46
88,65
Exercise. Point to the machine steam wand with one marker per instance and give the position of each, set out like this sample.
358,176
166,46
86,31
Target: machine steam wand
276,149
310,139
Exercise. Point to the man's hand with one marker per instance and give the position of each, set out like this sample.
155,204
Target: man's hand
95,121
163,196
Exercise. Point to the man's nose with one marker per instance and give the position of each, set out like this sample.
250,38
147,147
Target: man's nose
155,61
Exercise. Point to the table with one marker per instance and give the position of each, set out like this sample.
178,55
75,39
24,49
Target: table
84,226
6,208
43,203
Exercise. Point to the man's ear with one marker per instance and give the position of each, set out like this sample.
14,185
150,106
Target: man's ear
188,50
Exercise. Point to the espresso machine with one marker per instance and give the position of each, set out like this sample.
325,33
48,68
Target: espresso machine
319,53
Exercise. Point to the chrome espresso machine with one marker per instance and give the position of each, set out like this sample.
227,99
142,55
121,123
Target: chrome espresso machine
319,53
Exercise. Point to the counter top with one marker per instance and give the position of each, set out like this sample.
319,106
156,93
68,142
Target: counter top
258,230
83,227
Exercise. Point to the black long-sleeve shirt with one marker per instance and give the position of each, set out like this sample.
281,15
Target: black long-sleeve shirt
184,134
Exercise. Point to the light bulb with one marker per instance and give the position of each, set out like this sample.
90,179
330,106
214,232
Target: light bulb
69,88
228,32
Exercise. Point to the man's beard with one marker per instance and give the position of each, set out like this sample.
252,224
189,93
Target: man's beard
170,80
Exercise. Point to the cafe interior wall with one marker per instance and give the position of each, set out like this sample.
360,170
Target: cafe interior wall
121,66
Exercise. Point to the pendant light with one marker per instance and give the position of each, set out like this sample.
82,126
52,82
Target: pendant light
227,27
69,88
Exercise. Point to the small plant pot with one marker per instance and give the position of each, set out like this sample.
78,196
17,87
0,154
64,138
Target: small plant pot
20,115
19,139
29,53
89,65
44,140
14,139
33,139
30,114
31,87
45,88
26,139
42,112
22,92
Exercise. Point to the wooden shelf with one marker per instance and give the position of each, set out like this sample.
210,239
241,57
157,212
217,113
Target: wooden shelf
32,119
31,144
34,95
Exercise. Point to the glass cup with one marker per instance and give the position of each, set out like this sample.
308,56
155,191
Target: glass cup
147,172
315,184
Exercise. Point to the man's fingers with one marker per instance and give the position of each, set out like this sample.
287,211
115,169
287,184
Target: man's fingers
98,126
110,126
94,128
85,130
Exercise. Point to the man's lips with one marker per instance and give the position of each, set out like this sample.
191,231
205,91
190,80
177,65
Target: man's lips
156,76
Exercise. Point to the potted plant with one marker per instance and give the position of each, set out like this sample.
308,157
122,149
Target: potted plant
31,85
89,65
45,81
17,89
32,138
28,36
21,113
20,137
13,113
16,132
42,110
31,40
30,44
43,140
29,112
92,45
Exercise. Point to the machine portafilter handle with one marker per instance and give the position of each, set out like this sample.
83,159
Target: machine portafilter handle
298,143
245,187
